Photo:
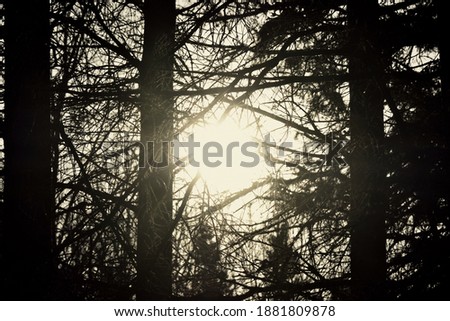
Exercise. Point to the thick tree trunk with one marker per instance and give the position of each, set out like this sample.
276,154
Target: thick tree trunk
28,220
154,268
368,194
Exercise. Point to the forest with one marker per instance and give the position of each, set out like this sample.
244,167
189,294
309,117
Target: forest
224,150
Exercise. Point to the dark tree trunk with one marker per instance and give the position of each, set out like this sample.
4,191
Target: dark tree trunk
154,268
368,194
444,55
444,52
27,219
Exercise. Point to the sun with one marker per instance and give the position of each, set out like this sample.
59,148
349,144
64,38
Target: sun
226,153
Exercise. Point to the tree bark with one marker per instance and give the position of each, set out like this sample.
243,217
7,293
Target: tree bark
154,268
368,194
27,219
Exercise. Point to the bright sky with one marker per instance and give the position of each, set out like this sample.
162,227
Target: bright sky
226,153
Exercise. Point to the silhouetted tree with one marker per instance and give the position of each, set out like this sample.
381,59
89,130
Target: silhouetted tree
154,253
367,165
28,220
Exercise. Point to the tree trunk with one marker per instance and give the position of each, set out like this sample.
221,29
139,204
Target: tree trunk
444,57
154,268
27,219
368,194
444,53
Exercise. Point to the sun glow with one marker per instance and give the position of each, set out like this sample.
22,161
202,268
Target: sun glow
227,154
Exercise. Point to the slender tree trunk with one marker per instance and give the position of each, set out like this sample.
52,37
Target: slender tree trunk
154,268
444,55
368,194
28,220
